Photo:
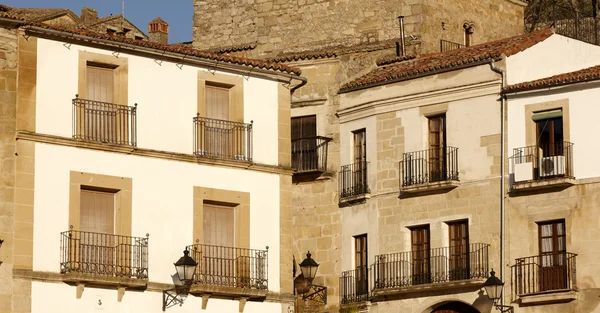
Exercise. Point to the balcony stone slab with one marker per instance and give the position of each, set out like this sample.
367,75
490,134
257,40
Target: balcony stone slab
431,187
228,292
379,293
537,185
347,201
558,296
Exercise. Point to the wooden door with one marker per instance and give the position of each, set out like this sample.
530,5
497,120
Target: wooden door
459,250
359,175
218,133
361,262
421,268
96,248
304,143
553,263
437,148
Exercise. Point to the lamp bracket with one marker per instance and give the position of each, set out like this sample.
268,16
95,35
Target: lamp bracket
316,293
504,308
172,297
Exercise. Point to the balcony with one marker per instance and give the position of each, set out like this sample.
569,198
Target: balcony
222,139
354,286
103,122
354,185
433,269
103,259
309,157
542,166
544,278
429,170
230,272
446,45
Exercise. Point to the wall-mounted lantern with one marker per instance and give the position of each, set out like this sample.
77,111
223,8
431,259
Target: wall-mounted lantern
493,287
185,268
303,283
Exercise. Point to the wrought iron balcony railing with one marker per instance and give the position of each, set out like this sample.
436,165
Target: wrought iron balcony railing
446,45
310,154
578,23
103,254
429,166
230,267
104,122
222,139
433,266
544,273
355,285
354,180
542,162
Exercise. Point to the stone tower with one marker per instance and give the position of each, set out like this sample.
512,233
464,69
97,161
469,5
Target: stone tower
276,25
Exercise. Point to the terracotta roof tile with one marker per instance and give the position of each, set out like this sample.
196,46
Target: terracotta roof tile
391,59
39,14
584,75
447,60
235,48
175,49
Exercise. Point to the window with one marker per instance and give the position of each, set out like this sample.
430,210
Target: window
97,211
359,172
469,30
218,225
437,147
553,248
360,146
304,143
549,131
361,262
219,134
420,254
459,250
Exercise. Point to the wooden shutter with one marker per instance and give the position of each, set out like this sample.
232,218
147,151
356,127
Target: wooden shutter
217,102
420,252
437,148
101,119
361,262
97,213
304,127
219,225
100,83
360,146
304,144
459,250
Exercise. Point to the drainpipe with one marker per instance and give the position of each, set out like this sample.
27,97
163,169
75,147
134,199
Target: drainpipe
502,170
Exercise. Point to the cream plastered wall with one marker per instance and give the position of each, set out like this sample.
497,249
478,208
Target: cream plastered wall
44,300
359,220
555,55
162,204
166,98
583,110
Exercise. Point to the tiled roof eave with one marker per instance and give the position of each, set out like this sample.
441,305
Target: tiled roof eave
210,59
418,74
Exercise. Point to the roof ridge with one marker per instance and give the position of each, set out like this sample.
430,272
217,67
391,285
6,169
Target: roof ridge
582,75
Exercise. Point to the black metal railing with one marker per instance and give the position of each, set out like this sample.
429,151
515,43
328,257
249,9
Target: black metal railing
355,285
354,180
310,154
230,267
544,273
429,166
103,254
446,45
546,161
104,122
578,23
431,266
222,139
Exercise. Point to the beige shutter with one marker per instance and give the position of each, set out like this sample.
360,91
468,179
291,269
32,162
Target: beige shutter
100,84
218,134
101,119
217,102
219,225
97,212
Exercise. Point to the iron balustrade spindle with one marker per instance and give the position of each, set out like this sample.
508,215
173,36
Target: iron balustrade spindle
230,266
544,273
429,166
222,139
354,180
548,161
356,285
446,45
104,122
310,154
431,266
103,254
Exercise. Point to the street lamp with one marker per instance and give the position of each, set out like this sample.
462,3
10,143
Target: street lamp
185,269
493,287
303,283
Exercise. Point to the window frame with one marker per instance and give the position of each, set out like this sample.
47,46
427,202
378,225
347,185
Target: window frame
235,84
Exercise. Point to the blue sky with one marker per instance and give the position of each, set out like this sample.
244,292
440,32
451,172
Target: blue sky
178,13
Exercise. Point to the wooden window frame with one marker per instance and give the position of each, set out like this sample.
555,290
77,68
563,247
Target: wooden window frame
121,76
421,274
535,108
239,200
459,268
236,93
355,146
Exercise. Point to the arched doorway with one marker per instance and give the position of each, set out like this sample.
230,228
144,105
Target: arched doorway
455,307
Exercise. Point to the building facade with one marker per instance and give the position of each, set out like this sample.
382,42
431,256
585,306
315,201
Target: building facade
119,154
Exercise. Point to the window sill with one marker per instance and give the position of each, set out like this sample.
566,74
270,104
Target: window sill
534,185
558,296
429,187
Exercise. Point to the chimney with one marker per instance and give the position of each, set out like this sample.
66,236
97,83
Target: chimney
159,31
88,15
401,46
